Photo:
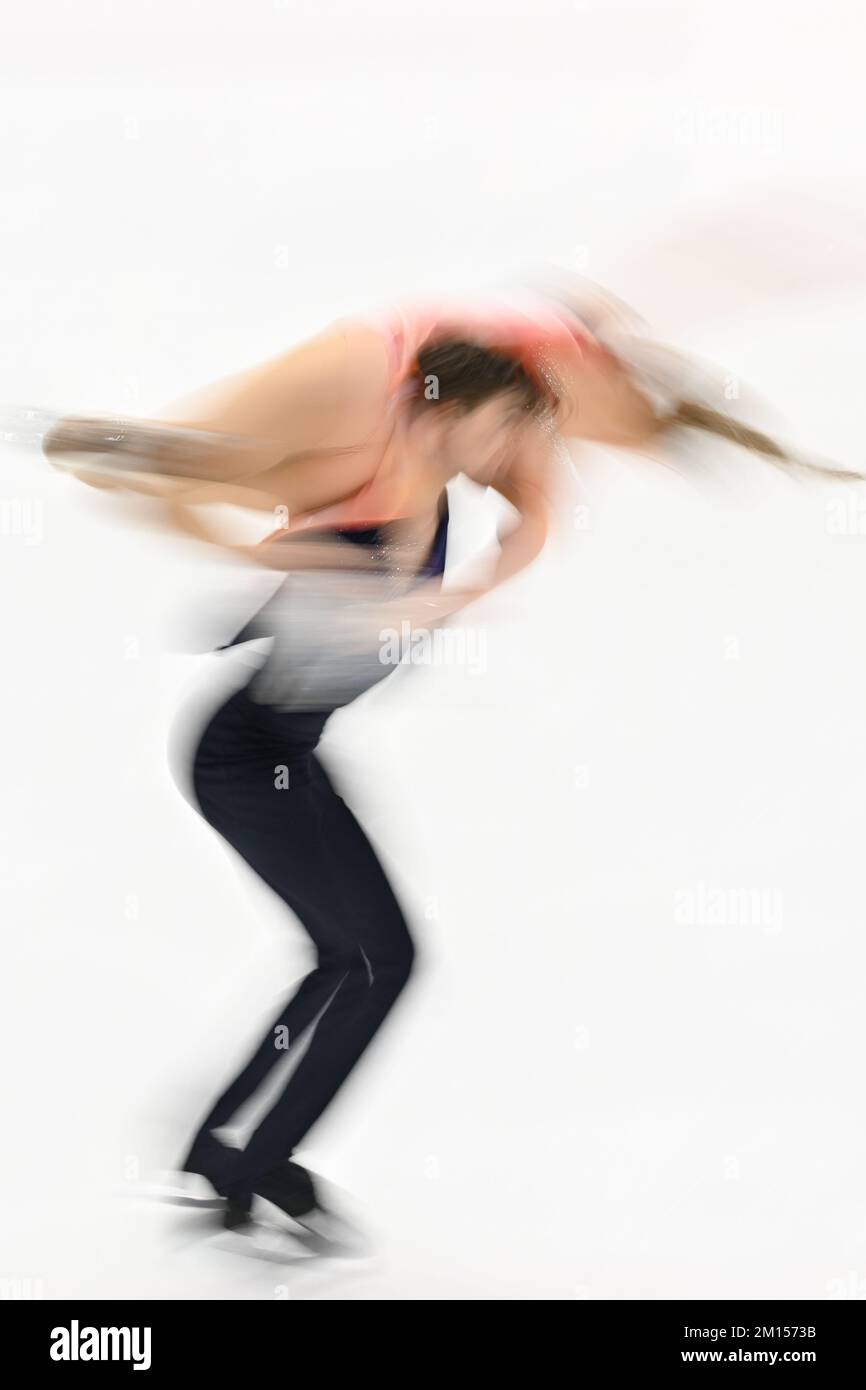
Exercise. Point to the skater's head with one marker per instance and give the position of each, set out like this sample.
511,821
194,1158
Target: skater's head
467,405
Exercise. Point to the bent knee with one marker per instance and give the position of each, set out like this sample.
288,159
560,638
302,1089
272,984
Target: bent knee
393,968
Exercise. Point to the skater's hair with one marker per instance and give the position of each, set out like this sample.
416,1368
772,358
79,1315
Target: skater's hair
457,373
696,416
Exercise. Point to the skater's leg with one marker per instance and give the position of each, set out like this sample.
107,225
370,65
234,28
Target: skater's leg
374,963
283,841
304,842
313,993
206,1155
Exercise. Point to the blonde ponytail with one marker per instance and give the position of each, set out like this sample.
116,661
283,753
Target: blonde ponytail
694,415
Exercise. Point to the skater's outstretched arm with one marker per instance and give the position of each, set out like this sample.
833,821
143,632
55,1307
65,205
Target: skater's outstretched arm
293,429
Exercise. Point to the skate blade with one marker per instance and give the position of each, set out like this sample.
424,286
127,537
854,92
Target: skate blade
179,1189
259,1240
323,1231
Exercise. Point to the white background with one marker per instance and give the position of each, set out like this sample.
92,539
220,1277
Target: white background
632,847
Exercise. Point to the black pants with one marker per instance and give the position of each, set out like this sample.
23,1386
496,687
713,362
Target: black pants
305,843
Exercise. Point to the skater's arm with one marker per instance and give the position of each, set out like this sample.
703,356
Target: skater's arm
189,512
327,392
291,430
527,483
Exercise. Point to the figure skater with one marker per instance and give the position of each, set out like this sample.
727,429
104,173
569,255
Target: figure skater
347,442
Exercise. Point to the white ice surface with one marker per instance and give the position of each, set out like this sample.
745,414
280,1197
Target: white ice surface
581,1095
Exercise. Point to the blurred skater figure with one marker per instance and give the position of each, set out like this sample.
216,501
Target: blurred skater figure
351,570
346,399
345,444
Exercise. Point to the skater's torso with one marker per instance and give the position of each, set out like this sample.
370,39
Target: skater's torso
251,734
